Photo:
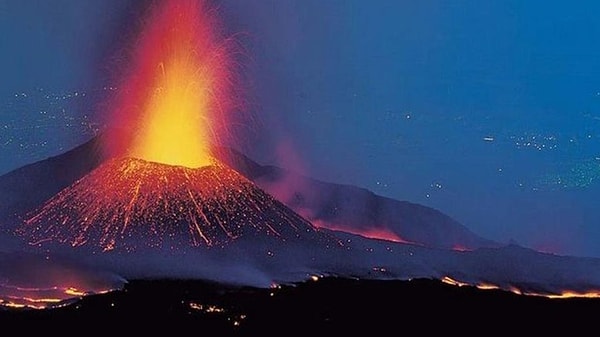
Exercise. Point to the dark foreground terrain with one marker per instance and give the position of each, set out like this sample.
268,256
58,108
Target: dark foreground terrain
170,307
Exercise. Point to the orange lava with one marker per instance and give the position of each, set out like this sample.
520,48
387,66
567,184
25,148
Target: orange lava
461,248
379,233
575,294
41,298
561,295
175,100
131,203
371,233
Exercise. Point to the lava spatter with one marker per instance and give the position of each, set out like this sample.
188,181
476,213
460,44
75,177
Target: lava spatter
177,95
130,203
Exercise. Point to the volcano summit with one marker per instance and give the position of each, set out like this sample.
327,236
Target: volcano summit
128,203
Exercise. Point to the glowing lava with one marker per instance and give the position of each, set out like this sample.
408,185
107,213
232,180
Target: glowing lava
168,190
174,101
130,203
370,233
41,298
590,293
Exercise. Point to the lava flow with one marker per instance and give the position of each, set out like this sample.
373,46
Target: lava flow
131,203
562,294
168,190
41,298
32,281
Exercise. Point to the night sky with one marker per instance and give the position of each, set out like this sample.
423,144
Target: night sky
486,110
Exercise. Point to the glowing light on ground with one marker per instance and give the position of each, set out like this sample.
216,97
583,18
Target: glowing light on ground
206,308
42,298
461,248
574,294
131,203
370,233
451,281
487,286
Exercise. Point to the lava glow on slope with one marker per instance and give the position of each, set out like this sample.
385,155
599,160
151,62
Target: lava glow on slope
488,286
30,281
175,101
41,298
131,203
370,233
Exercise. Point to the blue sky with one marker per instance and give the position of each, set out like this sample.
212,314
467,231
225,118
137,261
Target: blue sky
486,110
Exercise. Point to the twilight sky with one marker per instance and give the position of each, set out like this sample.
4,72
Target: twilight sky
486,110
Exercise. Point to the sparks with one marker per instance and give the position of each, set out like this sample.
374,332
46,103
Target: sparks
177,96
129,203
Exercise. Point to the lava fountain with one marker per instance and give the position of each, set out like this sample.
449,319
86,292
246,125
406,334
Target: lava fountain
175,101
165,189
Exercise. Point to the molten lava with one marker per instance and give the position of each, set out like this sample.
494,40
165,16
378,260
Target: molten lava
175,101
168,190
130,203
370,233
588,293
41,298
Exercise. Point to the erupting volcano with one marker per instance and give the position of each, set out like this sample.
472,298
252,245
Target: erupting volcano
163,201
131,203
169,191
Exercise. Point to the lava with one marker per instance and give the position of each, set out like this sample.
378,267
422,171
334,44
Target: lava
370,233
33,281
42,298
131,203
168,190
175,101
563,294
460,248
165,188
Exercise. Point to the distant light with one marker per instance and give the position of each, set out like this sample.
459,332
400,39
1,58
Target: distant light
488,139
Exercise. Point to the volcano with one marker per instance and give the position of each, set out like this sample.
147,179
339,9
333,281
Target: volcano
142,219
349,208
130,204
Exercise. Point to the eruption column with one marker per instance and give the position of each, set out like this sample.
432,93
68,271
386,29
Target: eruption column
176,97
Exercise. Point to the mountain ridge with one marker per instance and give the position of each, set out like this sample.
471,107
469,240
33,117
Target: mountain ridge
329,205
126,203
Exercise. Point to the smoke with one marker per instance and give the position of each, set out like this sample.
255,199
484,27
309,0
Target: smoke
289,186
318,203
262,263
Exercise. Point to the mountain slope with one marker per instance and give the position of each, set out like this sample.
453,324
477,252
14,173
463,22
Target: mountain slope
357,210
128,203
328,205
26,188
